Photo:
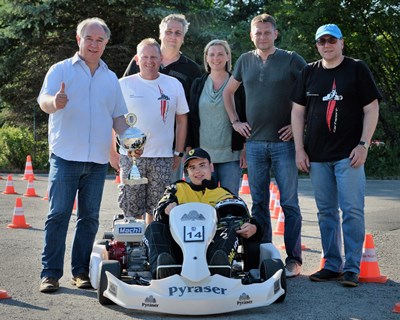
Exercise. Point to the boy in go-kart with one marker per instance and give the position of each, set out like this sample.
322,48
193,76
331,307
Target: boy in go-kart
163,250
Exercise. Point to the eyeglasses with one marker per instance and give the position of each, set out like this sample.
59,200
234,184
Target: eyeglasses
322,41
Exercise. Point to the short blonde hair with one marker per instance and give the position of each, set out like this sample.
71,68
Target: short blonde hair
177,17
217,42
148,42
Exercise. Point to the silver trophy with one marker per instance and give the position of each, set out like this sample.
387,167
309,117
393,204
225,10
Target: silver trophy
131,140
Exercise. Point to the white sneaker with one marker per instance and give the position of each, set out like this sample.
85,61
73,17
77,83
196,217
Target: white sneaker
292,269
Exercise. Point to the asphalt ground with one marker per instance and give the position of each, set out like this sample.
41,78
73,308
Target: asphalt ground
20,251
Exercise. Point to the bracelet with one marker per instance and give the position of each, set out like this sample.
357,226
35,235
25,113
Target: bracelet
233,122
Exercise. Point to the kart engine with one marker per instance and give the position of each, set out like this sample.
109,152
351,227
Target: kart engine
127,245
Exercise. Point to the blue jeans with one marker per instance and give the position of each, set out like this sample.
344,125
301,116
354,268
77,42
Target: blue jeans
228,174
65,179
338,185
261,157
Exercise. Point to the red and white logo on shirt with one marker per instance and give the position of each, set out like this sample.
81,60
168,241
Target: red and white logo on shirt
164,105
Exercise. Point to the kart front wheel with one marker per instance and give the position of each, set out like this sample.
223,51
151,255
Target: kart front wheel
268,268
114,268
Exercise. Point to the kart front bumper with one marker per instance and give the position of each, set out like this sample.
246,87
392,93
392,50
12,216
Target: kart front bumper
176,295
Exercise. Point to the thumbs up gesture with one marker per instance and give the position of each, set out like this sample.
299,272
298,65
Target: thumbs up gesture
60,99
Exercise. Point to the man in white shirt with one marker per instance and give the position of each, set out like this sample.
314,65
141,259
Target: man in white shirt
159,102
85,103
173,29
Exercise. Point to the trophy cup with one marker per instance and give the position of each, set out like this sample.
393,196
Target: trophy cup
132,139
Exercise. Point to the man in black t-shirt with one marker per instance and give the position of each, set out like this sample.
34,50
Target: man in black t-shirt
336,103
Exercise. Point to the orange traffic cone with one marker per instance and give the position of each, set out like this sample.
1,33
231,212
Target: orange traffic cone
74,208
18,220
396,308
272,196
322,262
117,179
30,190
46,197
28,169
9,186
271,184
369,269
4,294
303,247
245,189
277,209
280,227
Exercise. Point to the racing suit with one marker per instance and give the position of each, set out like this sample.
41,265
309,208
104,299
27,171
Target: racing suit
158,237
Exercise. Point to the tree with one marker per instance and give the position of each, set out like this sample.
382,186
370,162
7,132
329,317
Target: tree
34,34
371,33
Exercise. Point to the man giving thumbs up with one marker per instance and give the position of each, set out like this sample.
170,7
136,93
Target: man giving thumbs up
85,103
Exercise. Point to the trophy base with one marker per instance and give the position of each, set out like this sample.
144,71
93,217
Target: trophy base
133,182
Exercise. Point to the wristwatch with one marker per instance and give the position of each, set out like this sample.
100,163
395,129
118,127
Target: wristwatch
179,154
364,144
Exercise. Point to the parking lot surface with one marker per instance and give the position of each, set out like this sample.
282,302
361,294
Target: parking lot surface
20,266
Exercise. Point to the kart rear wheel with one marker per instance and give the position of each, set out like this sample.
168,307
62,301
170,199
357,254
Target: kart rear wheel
268,268
114,268
102,242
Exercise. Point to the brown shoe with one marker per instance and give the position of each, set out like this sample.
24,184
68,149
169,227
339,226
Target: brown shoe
48,285
81,281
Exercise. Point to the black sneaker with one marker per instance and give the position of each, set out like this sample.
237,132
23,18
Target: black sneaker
219,264
166,266
325,275
48,285
349,279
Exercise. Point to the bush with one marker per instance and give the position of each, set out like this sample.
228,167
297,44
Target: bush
16,144
383,161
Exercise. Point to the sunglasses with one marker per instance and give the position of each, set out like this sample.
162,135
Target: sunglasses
322,41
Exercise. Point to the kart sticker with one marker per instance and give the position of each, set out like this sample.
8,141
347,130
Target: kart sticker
192,216
186,290
150,301
193,234
277,286
244,299
113,288
130,230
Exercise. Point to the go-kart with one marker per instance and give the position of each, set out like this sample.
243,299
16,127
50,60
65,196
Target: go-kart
120,272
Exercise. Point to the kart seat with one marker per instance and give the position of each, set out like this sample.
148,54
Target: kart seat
167,266
219,264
